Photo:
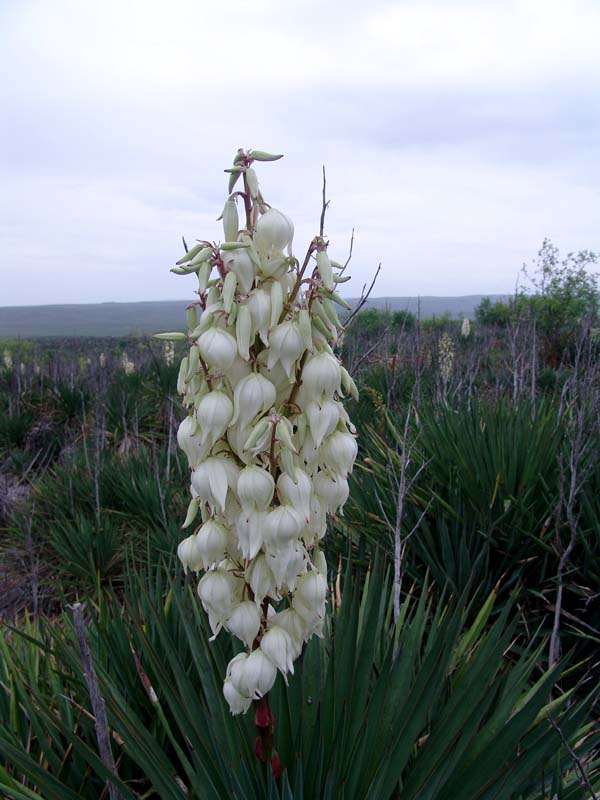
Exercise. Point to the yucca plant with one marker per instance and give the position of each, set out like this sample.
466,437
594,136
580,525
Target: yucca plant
425,708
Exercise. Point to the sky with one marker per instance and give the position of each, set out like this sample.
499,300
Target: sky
456,136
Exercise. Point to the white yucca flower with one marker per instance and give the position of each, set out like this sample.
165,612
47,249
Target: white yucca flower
127,365
465,328
268,441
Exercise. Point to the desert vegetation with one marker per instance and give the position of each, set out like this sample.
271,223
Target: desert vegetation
459,657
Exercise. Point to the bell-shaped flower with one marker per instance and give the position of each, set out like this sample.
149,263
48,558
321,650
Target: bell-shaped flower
218,591
237,372
296,493
232,510
309,597
244,622
189,440
287,561
258,674
255,487
286,345
236,439
297,565
238,703
259,303
277,645
321,375
240,263
339,451
261,579
253,395
213,478
235,673
190,554
214,415
212,543
309,454
273,231
293,624
323,418
277,375
250,529
331,489
282,525
218,348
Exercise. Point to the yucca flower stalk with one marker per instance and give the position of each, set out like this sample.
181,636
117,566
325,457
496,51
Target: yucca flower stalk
267,438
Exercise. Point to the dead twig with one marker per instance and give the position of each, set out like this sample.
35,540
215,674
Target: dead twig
98,705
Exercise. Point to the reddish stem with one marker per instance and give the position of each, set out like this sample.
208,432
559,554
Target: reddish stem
265,728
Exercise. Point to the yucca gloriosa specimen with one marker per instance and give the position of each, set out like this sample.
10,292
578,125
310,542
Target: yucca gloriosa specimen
268,441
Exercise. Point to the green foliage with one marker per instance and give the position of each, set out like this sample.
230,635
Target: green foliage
561,293
425,708
375,321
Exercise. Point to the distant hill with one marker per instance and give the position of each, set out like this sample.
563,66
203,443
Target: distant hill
126,319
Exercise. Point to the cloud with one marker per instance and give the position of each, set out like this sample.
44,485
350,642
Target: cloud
456,136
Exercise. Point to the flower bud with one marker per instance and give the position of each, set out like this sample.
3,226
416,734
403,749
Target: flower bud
348,384
243,331
230,221
276,298
325,270
252,182
319,562
259,303
229,287
260,437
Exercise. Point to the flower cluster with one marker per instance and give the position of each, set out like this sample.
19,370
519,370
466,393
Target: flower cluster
267,438
127,365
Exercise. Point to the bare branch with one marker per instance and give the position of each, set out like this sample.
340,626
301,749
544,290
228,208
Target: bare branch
363,298
98,705
325,205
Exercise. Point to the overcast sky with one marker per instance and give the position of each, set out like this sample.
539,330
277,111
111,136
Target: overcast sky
455,135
